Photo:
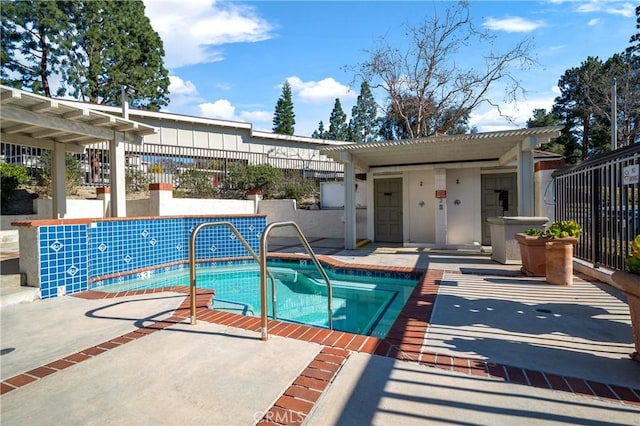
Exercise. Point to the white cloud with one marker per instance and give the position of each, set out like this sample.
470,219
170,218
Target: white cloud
324,90
512,24
183,95
627,10
191,29
589,7
178,86
613,8
257,116
593,22
221,108
490,120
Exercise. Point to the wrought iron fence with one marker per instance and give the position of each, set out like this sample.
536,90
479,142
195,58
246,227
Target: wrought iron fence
602,196
149,163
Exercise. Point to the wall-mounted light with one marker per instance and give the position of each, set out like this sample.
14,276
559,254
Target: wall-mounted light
457,181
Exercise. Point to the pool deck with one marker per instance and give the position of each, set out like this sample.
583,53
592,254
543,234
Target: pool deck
477,343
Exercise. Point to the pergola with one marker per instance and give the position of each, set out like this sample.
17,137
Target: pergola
490,149
60,126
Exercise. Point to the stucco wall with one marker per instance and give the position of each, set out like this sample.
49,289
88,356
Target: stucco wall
191,206
139,208
75,208
313,223
332,194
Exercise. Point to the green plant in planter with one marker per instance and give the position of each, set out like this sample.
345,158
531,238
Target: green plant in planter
633,260
564,229
534,232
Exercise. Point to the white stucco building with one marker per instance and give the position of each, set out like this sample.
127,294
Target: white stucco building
439,191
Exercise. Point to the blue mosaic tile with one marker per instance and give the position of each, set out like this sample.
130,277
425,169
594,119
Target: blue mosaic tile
70,255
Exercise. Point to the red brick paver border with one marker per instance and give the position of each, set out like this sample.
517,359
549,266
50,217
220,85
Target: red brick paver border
203,300
298,400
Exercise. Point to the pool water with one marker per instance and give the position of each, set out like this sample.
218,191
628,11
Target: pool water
361,304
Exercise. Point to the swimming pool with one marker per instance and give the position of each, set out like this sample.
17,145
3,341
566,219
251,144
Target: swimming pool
364,302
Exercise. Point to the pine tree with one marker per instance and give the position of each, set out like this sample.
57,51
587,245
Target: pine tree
116,46
364,124
542,118
96,46
338,128
32,44
284,117
635,39
320,133
582,90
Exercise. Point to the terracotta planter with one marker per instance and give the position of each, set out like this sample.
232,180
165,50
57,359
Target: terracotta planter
532,253
559,258
630,284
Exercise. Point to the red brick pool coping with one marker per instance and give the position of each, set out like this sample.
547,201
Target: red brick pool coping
404,342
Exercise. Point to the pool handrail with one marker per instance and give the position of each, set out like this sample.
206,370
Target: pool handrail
263,269
192,265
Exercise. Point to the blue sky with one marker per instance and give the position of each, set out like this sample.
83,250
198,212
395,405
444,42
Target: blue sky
228,60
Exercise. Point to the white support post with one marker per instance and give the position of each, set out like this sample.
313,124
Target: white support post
349,202
526,190
441,207
117,169
59,184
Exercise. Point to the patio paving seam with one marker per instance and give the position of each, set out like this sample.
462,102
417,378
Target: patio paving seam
15,382
300,398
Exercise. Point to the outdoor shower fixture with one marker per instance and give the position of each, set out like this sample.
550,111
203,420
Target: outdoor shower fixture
503,199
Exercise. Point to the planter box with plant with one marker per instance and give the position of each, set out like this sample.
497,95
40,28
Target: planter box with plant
629,281
550,253
559,251
532,251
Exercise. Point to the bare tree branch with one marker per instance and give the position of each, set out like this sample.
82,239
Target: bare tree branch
427,89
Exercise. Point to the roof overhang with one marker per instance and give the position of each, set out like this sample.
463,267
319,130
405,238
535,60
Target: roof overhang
499,147
34,120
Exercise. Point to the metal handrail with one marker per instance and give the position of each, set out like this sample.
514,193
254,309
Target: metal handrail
263,269
192,266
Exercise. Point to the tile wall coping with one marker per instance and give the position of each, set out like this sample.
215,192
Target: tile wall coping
51,222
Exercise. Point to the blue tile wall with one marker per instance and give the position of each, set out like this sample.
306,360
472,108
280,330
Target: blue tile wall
63,260
70,255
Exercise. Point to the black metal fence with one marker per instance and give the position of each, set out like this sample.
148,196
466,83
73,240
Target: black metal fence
165,164
602,196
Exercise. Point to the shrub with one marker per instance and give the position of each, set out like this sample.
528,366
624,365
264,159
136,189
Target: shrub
261,177
136,180
195,183
534,232
73,172
12,176
560,229
297,188
564,229
633,259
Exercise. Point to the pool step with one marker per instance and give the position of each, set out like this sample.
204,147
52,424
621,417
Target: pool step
13,290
